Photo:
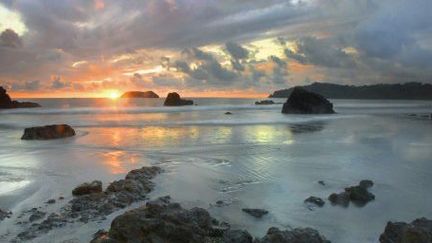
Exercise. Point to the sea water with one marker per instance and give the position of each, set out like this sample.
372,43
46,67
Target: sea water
254,158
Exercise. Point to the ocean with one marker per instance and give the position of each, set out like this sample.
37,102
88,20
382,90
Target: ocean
255,158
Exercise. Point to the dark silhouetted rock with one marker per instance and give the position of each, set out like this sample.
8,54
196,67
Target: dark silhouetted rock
302,101
265,102
315,200
87,188
228,113
237,236
139,94
162,221
257,213
173,99
322,183
48,132
7,103
51,201
419,231
298,235
359,195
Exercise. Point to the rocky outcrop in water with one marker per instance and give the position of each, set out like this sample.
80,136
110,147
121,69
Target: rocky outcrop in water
163,221
359,195
302,101
87,188
48,132
265,102
315,200
96,205
140,94
173,99
7,103
418,231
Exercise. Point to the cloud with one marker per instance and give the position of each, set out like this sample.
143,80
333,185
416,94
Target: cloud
26,86
8,38
57,83
236,51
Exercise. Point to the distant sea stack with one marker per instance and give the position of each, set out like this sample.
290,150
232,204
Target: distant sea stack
409,91
173,99
7,103
139,94
302,101
48,132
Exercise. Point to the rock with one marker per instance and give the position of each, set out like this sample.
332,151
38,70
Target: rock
7,103
48,132
162,221
298,235
265,102
51,201
341,199
237,236
228,113
173,99
36,216
418,231
257,213
97,204
87,188
359,195
139,94
366,184
302,101
315,200
322,183
4,214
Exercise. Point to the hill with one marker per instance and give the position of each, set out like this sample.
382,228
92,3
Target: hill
411,91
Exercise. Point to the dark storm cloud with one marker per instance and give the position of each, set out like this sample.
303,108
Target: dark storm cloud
8,38
388,35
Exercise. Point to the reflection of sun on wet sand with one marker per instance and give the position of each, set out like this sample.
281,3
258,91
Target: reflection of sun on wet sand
118,162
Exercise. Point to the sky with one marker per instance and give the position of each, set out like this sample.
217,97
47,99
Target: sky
209,48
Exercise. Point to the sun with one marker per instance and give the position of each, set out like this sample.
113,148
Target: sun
113,94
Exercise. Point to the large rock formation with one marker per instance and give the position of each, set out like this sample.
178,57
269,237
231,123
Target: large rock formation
418,231
87,188
139,94
173,99
163,221
7,103
48,132
302,101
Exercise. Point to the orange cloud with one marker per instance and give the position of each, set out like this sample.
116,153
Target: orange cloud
99,4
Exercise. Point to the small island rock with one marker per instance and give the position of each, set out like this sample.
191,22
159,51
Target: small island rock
265,102
173,99
140,94
7,103
48,132
257,213
302,101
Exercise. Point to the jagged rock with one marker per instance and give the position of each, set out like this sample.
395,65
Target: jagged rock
139,94
87,188
257,213
97,204
48,132
173,99
7,103
418,231
51,201
37,216
265,102
298,235
302,101
237,236
315,200
162,221
359,195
